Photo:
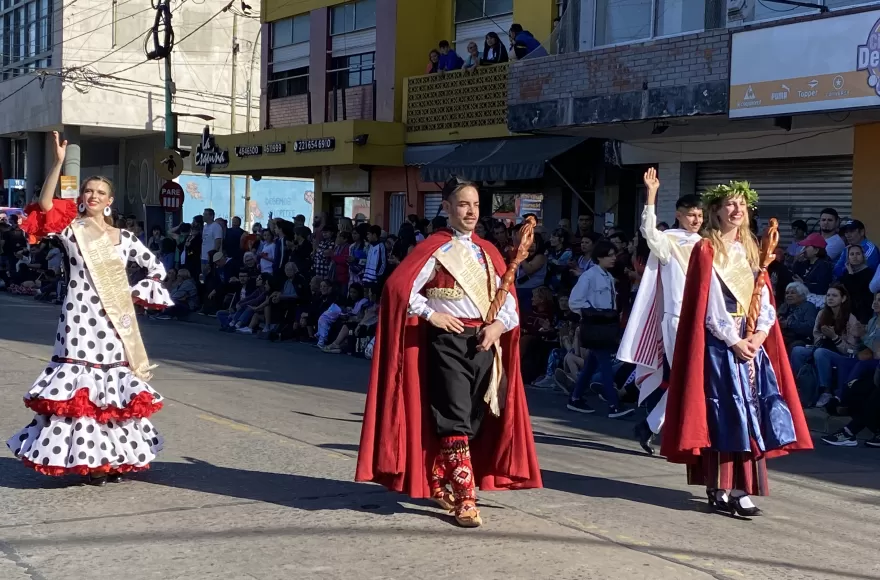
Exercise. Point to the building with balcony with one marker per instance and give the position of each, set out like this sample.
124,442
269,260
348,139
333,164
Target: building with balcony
779,94
345,99
80,68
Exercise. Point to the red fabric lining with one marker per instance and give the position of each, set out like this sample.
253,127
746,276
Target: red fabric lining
398,438
686,429
38,223
141,407
148,305
82,469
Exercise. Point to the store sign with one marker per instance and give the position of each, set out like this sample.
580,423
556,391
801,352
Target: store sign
322,144
208,155
248,150
276,148
819,65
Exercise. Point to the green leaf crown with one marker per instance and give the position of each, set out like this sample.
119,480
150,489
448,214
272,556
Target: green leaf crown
736,189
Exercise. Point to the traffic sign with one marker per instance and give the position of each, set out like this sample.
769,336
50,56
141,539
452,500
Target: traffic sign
168,164
171,196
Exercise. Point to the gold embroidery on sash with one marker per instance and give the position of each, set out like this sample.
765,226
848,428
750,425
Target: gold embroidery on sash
111,284
737,275
455,293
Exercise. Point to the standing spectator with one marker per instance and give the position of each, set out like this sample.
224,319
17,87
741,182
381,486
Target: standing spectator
537,326
531,274
377,262
302,251
212,237
854,232
494,51
559,258
814,269
433,62
406,241
323,253
829,222
595,290
857,280
232,241
523,43
340,259
449,60
798,232
586,226
797,315
155,241
357,254
318,224
167,252
585,260
190,247
473,57
346,225
267,252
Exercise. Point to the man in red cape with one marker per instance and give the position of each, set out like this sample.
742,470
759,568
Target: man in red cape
407,443
686,433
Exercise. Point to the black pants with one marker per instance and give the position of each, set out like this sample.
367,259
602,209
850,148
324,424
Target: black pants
864,400
458,377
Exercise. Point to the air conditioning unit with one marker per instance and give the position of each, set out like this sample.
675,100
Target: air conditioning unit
740,11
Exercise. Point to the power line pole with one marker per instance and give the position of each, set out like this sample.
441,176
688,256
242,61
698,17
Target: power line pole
232,109
247,179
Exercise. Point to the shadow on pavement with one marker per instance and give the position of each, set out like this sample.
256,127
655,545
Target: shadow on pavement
599,487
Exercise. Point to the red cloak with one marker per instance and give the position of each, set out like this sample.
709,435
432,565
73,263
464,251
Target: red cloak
398,437
686,430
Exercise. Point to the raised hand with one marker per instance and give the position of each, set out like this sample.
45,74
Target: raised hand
60,147
652,183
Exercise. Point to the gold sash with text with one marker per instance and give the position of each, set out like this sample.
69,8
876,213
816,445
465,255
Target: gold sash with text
480,286
111,284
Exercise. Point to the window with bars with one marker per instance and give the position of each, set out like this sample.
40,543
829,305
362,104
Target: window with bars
353,16
25,36
289,83
466,10
352,71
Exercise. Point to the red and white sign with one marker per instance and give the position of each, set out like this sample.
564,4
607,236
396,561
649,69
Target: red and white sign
171,196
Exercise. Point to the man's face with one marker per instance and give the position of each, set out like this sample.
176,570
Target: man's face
690,219
372,238
290,269
327,234
564,224
463,209
236,222
618,242
799,233
444,50
207,216
243,278
828,223
585,223
325,288
856,256
501,235
854,236
607,262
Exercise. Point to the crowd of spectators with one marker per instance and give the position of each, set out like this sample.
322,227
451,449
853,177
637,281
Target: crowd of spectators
521,44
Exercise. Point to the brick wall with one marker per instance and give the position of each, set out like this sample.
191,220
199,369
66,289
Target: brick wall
358,104
288,111
684,75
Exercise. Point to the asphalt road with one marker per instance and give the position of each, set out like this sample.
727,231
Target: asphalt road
256,482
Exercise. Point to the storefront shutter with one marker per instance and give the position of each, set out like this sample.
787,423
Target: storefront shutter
788,189
432,205
397,213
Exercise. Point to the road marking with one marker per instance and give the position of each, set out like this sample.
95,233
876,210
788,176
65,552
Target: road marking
733,572
634,541
226,423
682,557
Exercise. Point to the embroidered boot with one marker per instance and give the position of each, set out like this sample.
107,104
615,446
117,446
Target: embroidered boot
461,476
440,493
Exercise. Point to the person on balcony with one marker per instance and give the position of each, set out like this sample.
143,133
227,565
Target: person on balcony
449,60
433,62
494,51
473,58
523,43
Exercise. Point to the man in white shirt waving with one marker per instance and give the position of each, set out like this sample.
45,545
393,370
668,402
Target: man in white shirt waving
649,339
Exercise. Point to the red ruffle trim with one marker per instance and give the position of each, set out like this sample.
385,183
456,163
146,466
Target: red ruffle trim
38,223
148,305
82,469
141,407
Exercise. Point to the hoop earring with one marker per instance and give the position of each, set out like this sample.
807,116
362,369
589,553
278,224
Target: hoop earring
81,207
107,211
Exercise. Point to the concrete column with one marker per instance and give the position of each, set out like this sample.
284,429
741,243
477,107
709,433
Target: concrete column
866,152
319,60
35,168
264,77
72,160
5,167
386,58
676,179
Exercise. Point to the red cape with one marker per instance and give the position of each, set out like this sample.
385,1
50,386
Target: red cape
398,438
686,430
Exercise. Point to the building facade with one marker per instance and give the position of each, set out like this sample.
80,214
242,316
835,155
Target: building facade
80,68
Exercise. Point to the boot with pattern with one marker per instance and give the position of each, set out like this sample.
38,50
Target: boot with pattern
461,476
440,493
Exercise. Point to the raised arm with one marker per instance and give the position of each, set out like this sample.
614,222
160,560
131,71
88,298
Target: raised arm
656,240
51,183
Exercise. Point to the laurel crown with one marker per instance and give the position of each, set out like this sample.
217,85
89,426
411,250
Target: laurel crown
734,189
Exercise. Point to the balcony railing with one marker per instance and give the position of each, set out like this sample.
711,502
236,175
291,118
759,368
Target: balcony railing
457,100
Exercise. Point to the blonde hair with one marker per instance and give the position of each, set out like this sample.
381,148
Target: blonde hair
109,183
712,232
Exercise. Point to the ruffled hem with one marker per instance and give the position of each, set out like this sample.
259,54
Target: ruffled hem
151,295
39,223
83,469
113,387
141,407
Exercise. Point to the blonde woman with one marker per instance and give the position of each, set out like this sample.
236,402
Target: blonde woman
92,401
732,401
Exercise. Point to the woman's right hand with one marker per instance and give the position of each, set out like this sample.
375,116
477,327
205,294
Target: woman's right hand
60,148
745,350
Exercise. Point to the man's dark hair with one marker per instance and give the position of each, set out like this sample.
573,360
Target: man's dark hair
303,232
331,227
413,219
690,201
516,28
300,217
619,234
209,211
830,211
453,185
444,44
376,231
603,249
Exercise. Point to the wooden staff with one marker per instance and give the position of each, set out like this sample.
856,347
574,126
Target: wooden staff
768,249
527,236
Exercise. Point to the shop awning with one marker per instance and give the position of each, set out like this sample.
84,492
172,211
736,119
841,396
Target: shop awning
419,155
499,160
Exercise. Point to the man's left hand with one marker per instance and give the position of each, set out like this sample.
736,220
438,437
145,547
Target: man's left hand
490,335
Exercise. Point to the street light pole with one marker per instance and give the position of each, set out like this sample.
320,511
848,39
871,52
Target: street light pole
247,124
232,109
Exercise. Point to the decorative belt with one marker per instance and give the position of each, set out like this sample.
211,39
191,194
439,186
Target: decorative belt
456,293
73,361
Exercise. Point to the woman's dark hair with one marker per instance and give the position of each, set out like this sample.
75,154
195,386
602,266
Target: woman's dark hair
303,232
155,229
345,236
267,279
405,240
593,237
562,235
826,315
603,249
500,49
185,229
540,245
359,288
362,229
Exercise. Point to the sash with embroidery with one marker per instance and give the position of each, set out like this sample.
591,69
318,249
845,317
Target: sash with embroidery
479,284
111,284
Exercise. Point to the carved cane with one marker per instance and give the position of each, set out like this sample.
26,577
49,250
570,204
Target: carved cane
768,249
527,236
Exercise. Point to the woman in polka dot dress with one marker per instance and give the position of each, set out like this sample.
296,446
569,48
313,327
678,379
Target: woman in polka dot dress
92,401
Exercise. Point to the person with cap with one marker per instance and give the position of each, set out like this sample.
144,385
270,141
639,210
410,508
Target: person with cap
815,269
854,232
799,232
829,222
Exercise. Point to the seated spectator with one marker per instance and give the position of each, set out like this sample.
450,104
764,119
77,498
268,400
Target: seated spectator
257,305
340,258
154,243
449,60
340,312
797,316
795,248
814,269
857,280
286,304
524,44
473,57
357,328
220,281
558,259
531,274
494,51
237,314
537,327
585,260
249,263
864,403
836,336
854,233
566,327
185,295
321,302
